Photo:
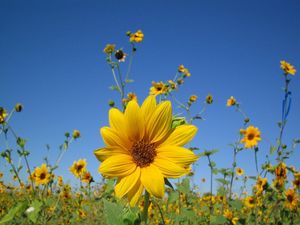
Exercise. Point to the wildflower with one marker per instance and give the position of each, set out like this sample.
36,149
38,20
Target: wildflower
229,215
142,149
81,213
296,181
231,101
132,96
173,85
158,88
109,49
193,98
60,181
76,134
281,175
239,171
136,37
287,68
86,177
181,69
251,136
291,201
249,202
78,168
120,55
180,81
41,175
18,107
3,115
261,184
209,99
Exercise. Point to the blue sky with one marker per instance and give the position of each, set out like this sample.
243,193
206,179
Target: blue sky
51,61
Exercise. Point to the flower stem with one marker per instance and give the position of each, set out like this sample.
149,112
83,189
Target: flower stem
146,206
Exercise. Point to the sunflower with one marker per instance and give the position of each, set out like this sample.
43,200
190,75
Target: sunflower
239,171
41,175
137,36
78,168
3,115
86,177
142,149
287,67
231,101
249,202
261,184
158,88
251,136
291,199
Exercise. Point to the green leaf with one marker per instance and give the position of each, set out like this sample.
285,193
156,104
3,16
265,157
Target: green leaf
222,181
184,186
173,196
272,149
236,204
218,220
33,216
20,207
177,121
113,213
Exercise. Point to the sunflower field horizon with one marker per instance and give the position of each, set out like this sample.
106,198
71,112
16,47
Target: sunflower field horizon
143,124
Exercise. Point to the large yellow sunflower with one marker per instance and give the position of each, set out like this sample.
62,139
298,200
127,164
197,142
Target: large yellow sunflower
142,149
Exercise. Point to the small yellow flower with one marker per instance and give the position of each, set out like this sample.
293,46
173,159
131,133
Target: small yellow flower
287,67
137,36
281,175
76,134
249,202
132,96
261,184
251,136
86,177
41,175
158,88
193,98
60,181
81,213
291,201
231,101
209,99
3,115
109,48
181,69
173,85
239,171
18,107
78,168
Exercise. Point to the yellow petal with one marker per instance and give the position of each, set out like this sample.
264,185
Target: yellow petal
153,180
134,121
117,121
148,108
117,166
168,168
159,124
125,184
181,135
104,153
177,155
135,193
111,138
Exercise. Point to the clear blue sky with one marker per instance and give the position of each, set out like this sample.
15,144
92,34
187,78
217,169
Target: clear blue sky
51,61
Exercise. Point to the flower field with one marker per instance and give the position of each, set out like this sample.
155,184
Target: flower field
146,163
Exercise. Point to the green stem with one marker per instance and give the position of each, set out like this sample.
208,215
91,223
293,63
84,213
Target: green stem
256,163
161,213
146,206
232,172
130,63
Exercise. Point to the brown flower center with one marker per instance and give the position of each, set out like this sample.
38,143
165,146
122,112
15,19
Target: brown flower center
250,136
143,153
42,176
290,198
